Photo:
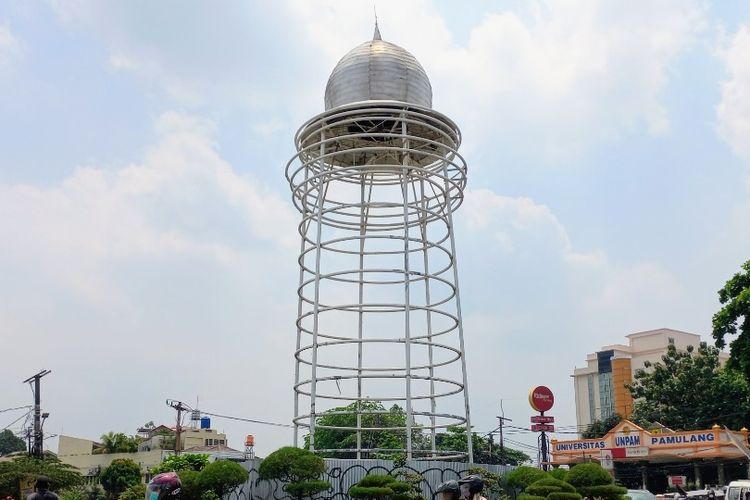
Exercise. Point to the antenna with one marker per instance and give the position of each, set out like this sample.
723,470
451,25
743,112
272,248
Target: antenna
376,35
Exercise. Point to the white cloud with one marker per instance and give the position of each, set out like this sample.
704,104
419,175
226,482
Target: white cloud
554,78
733,112
526,233
159,207
11,48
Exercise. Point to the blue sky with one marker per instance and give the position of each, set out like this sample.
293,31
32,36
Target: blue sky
148,237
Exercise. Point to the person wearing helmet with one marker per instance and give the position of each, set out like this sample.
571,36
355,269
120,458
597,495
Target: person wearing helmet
471,487
450,490
42,490
164,486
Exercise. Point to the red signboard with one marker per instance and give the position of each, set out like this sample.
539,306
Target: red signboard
542,419
542,428
541,398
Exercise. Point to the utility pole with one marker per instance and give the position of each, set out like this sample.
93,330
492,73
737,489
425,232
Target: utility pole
180,407
501,420
37,448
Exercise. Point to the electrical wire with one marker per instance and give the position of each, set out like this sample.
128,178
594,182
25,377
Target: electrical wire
16,408
252,421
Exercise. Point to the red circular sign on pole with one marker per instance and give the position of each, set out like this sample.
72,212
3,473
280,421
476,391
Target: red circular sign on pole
541,398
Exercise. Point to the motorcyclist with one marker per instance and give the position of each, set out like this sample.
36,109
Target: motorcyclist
450,490
164,486
42,490
471,487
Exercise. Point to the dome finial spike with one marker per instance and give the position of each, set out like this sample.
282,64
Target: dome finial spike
376,35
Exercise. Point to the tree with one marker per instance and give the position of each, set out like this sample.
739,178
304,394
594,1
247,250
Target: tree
523,476
593,481
187,461
599,428
120,475
734,316
688,389
299,469
374,415
222,476
118,442
10,443
61,475
454,439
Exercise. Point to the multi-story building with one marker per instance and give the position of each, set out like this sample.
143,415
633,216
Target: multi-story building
157,442
600,386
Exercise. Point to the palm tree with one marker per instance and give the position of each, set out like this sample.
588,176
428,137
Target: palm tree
117,442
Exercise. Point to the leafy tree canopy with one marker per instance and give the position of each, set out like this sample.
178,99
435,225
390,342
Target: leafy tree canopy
734,319
10,443
376,415
222,476
689,389
118,442
61,475
120,475
484,452
599,428
186,461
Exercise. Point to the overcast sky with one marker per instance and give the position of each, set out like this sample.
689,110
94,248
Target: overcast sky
148,240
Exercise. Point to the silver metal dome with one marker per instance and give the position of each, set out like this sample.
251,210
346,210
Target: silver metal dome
378,70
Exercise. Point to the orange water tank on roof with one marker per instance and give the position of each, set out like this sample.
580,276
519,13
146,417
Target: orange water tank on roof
250,440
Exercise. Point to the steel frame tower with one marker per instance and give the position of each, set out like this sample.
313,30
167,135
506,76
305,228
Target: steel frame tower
379,318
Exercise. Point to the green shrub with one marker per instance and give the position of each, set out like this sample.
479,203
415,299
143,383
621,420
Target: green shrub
135,492
526,496
120,475
547,485
300,469
563,495
191,488
177,463
560,474
209,495
588,474
383,487
222,476
604,492
523,476
71,494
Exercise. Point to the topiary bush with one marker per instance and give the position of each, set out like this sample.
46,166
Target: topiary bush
563,495
300,469
592,480
547,485
523,476
558,473
222,476
588,474
382,487
526,496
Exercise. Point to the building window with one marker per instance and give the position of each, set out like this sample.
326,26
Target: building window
221,442
592,398
606,399
670,340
